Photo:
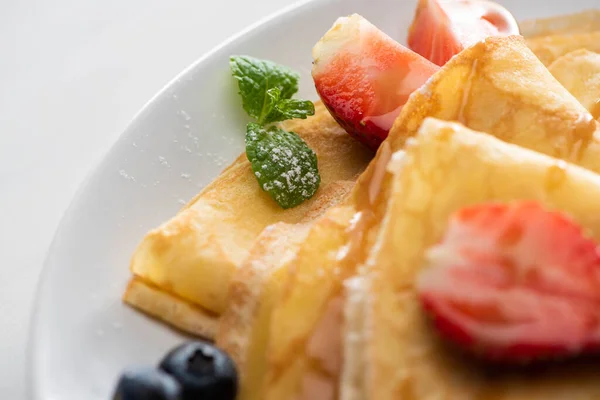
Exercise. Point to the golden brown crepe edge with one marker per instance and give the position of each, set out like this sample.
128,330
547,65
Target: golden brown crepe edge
171,309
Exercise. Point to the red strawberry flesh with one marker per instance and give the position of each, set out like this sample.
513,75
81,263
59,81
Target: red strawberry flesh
364,77
514,282
443,28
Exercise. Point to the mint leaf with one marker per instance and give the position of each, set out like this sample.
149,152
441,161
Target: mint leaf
255,77
278,109
284,165
292,108
269,112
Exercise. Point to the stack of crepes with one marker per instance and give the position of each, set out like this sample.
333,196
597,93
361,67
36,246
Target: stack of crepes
569,47
319,302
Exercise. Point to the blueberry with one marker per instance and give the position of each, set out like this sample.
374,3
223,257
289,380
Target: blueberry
203,370
147,384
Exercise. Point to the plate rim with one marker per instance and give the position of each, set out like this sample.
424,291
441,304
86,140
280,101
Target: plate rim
31,375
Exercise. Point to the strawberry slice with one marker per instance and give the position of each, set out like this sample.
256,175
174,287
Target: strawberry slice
364,77
514,282
443,28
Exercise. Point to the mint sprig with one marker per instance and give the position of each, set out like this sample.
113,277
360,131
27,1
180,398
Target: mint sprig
286,168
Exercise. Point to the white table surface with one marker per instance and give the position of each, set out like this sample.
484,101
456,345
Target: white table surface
72,75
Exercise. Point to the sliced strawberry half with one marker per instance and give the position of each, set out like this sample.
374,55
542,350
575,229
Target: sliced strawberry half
514,282
364,77
443,28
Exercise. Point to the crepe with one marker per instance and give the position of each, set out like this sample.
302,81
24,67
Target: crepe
549,48
445,168
551,38
579,73
171,309
306,322
193,257
244,327
581,22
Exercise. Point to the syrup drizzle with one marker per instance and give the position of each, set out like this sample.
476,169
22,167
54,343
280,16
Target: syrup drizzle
381,163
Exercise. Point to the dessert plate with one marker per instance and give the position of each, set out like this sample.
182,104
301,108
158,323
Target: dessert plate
82,335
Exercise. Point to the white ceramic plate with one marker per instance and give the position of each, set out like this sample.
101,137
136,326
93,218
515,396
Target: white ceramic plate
82,334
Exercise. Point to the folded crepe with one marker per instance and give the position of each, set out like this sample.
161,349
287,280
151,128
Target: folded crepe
551,38
581,22
497,86
182,270
303,352
445,168
579,73
173,310
549,48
